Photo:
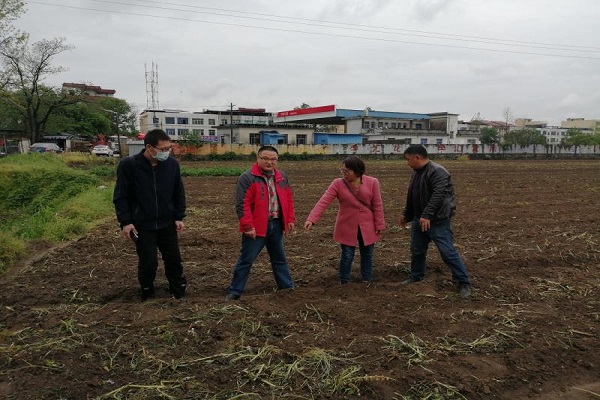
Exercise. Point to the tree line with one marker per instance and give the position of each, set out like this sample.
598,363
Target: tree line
30,106
529,136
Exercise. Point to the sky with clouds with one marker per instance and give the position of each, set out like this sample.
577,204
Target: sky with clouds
538,58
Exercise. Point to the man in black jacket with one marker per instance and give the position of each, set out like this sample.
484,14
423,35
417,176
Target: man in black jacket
149,201
430,204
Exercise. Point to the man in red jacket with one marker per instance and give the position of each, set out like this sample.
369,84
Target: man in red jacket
265,209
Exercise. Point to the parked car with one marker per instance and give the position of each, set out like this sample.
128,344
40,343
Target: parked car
45,148
102,150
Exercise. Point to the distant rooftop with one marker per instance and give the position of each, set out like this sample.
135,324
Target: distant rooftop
90,89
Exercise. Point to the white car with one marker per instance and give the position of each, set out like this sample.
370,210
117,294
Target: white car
102,150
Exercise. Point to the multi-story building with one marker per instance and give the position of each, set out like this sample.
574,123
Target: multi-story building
469,132
523,123
178,123
380,126
554,134
581,123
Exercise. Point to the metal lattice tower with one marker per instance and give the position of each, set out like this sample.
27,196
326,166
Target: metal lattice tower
152,87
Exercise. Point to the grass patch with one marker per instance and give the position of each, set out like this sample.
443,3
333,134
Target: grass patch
46,199
219,171
11,249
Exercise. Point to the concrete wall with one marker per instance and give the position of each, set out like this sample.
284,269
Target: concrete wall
380,149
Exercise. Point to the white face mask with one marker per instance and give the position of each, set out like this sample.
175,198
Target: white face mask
161,155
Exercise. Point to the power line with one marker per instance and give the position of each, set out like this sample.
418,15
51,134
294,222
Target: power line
320,33
438,35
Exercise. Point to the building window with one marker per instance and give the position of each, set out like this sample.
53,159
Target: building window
471,141
283,139
223,122
196,131
155,121
182,121
365,124
182,132
372,124
408,141
380,124
423,141
300,139
255,138
170,132
211,122
439,141
393,125
169,120
418,126
197,121
211,132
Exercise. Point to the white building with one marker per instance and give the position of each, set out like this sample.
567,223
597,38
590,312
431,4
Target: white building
554,134
178,123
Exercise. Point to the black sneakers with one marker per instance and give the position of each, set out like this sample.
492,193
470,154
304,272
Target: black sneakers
147,293
410,280
178,289
232,296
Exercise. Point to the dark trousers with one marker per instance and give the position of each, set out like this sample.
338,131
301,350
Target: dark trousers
166,241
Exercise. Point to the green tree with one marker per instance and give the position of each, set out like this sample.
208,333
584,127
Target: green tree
79,119
125,112
10,11
25,68
489,135
525,137
575,137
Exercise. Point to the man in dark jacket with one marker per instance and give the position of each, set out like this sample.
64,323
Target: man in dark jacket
149,201
265,209
430,204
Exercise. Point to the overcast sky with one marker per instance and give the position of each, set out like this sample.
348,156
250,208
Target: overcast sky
539,58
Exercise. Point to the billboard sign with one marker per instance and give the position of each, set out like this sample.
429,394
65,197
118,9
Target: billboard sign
305,113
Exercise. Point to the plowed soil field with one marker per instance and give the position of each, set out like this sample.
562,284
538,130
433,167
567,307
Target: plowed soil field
72,325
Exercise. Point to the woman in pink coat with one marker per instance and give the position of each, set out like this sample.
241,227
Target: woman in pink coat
359,219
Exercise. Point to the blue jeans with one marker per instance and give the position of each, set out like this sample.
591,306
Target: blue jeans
251,248
441,234
366,260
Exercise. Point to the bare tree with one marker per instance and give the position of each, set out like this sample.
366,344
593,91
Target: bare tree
508,121
25,68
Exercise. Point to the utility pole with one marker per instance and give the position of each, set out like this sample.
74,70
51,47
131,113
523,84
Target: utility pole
117,117
118,134
231,122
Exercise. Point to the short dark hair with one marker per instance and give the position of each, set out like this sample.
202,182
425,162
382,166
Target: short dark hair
355,164
267,148
416,149
154,136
